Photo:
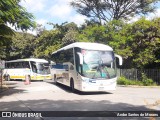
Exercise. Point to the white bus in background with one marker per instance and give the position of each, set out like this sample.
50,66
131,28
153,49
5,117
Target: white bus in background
56,70
36,69
87,66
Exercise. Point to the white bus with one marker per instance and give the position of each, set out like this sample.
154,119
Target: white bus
87,66
36,69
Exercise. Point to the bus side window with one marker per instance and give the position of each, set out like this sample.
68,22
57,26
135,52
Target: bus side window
15,65
78,66
27,65
66,67
12,65
23,65
33,66
7,65
18,65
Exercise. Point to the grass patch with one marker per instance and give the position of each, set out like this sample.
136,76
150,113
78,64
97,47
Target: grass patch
144,82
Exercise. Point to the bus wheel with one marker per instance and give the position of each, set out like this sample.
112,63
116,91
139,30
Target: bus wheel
72,85
7,77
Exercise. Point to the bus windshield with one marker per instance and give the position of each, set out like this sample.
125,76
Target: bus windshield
43,68
40,68
98,64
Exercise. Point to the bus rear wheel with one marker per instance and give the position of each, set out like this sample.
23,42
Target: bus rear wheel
72,85
7,77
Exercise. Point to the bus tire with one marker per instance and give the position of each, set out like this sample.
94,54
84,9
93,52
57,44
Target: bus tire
72,85
7,77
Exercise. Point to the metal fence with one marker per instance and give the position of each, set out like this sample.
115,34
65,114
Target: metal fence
136,74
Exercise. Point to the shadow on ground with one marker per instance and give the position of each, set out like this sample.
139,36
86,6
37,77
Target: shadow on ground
68,105
9,88
53,106
9,91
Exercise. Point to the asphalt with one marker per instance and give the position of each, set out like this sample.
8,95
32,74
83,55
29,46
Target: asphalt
45,96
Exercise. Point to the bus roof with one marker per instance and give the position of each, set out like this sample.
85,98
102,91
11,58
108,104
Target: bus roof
87,45
29,59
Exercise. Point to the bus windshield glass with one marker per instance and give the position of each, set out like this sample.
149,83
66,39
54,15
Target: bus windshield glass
98,64
43,68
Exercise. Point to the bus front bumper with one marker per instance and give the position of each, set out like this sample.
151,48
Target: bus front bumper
99,85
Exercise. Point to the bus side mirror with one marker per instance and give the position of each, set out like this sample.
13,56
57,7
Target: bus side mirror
120,59
80,58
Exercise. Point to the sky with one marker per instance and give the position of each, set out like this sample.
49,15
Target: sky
54,11
60,11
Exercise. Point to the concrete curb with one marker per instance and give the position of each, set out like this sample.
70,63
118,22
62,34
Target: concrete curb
136,86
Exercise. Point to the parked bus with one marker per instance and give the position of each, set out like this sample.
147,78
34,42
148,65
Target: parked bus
56,70
35,69
87,66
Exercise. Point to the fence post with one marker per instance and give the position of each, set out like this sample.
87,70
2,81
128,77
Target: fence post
136,74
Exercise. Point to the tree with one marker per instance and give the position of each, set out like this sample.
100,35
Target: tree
68,32
46,43
5,39
119,37
49,41
70,37
39,29
15,15
22,46
11,12
106,10
137,42
146,44
93,33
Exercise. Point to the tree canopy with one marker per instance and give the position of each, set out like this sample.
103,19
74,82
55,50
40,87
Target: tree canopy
52,40
11,13
137,42
14,14
107,10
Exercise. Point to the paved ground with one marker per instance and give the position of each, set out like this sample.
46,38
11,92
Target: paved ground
45,96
